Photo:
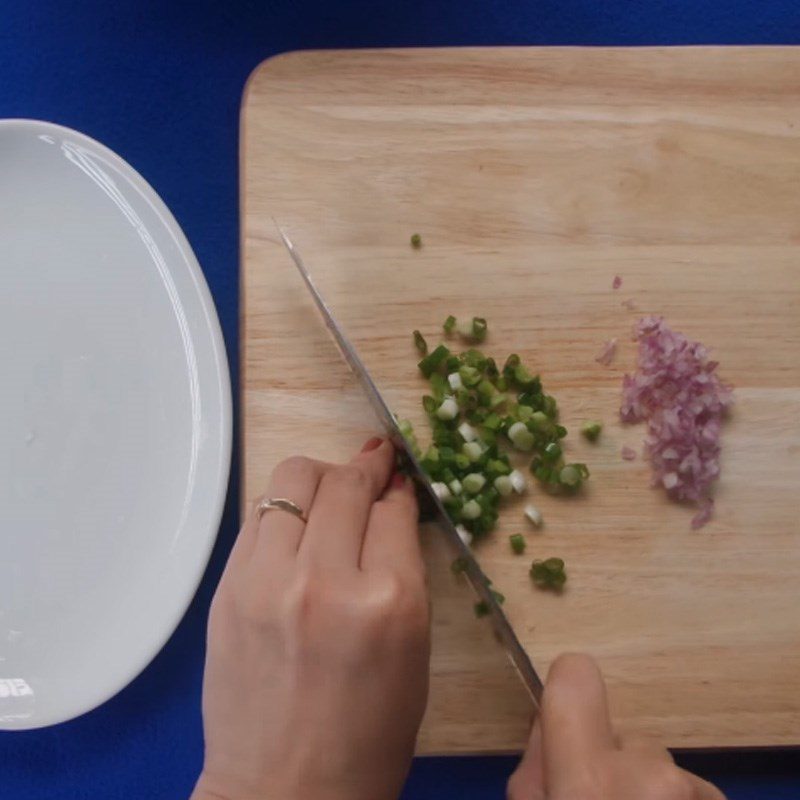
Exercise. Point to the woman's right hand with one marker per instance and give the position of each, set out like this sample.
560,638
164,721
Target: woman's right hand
573,753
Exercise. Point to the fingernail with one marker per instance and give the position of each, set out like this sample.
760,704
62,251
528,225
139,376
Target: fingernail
372,444
398,480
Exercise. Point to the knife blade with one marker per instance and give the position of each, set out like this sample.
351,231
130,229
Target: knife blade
472,571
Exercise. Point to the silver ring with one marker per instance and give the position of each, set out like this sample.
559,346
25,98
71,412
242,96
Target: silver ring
281,504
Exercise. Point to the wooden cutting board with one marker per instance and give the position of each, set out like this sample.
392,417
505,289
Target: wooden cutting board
534,176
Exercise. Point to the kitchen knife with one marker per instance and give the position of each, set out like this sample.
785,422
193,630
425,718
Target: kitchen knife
502,628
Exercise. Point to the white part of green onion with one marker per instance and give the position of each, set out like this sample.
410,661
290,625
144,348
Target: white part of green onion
467,431
471,510
520,436
456,487
503,485
441,490
447,410
454,379
464,327
464,535
474,482
534,515
472,450
518,481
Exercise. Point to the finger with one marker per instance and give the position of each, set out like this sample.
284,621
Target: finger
703,790
341,508
527,782
392,537
277,535
576,728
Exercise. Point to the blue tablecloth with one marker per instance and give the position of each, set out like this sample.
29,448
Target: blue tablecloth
160,82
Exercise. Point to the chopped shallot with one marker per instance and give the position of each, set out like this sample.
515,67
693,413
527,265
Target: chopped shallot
677,392
628,453
617,282
609,351
703,515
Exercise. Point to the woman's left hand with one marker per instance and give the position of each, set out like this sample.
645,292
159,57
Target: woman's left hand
319,640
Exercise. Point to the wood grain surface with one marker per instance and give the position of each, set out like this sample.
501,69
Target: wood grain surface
534,176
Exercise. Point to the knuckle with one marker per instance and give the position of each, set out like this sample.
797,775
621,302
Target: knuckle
350,476
400,608
308,605
297,468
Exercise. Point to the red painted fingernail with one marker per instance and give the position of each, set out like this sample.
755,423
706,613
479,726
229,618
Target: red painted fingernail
372,444
398,480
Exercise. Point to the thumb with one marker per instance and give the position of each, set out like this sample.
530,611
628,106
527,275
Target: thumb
527,781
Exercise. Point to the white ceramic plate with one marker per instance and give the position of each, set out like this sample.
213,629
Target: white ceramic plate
115,424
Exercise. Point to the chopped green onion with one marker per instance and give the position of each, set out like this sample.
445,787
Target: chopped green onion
503,485
549,574
441,490
481,609
497,466
539,420
407,431
521,437
573,475
431,362
499,598
591,430
534,515
470,376
473,482
464,459
497,400
474,329
472,450
569,476
458,566
524,413
523,377
416,241
464,535
518,481
439,386
448,410
493,421
474,408
467,432
420,343
452,363
512,362
517,542
552,451
471,510
464,328
454,379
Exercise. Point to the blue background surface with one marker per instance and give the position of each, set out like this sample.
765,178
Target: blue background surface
160,82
